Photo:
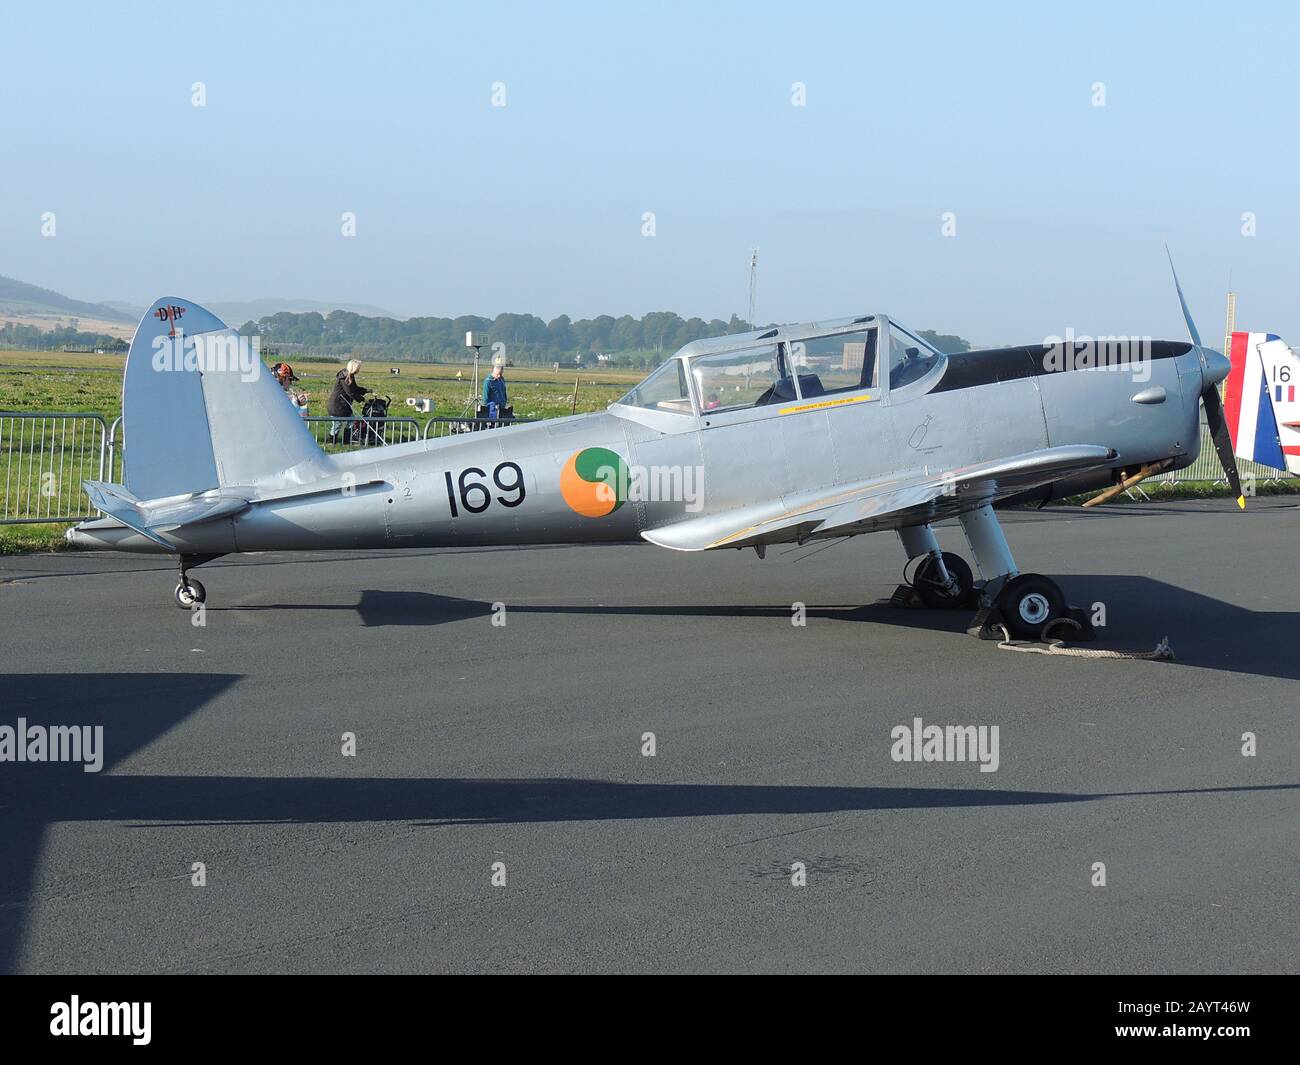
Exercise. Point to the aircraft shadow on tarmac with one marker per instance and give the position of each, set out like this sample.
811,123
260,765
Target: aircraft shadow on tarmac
136,708
1204,632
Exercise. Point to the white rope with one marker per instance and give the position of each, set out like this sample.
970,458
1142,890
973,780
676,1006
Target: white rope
1162,652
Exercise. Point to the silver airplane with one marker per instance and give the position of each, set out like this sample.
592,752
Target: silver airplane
783,435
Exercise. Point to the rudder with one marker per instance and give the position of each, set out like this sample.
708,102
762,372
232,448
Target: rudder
201,411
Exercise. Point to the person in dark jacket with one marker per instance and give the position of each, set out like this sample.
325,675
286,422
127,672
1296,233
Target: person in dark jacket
494,390
346,391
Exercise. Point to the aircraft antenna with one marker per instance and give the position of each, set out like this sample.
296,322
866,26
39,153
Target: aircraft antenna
1231,319
753,286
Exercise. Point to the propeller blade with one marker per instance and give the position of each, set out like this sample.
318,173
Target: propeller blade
1222,440
1187,315
1210,397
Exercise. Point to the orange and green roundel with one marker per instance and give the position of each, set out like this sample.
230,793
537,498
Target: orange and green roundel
594,482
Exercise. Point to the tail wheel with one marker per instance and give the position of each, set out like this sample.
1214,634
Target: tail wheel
1029,602
190,593
933,592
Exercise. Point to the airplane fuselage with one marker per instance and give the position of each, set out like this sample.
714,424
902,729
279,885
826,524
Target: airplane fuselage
509,485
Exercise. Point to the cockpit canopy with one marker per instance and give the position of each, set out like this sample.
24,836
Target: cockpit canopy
785,364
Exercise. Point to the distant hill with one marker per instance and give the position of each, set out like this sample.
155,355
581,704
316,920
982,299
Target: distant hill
20,298
39,318
131,310
236,312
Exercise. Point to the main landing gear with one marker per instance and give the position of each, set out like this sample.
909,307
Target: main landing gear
190,592
1024,604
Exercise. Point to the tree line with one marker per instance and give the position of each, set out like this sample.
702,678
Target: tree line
32,338
523,338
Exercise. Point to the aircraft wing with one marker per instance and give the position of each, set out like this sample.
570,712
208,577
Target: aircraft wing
893,502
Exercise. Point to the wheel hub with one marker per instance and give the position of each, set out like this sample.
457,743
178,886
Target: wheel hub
1034,608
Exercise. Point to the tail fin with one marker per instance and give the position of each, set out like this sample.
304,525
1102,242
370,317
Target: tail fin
1260,400
1282,379
200,411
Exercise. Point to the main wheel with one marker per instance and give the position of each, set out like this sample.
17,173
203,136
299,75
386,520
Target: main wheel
931,589
1029,602
190,593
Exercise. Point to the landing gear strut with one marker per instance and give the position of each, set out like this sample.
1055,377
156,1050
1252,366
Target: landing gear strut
190,592
942,581
1022,604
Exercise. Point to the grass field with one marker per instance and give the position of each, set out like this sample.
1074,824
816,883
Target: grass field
51,380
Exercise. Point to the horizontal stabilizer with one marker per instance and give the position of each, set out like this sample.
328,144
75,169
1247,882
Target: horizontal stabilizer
152,517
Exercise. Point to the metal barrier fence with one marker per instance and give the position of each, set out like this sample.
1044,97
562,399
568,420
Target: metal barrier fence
1207,468
113,464
351,434
436,428
44,457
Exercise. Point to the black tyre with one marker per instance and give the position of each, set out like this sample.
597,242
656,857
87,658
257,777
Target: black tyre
933,593
190,594
1029,602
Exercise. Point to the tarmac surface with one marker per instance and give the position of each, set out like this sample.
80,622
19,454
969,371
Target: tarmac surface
522,744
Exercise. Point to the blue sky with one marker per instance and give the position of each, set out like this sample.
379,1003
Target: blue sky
683,110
